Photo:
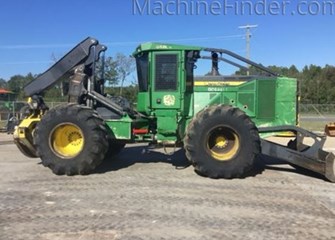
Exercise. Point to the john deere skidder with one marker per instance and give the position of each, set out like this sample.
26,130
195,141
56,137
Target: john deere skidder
217,119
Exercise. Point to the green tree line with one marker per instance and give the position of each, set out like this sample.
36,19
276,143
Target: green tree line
316,84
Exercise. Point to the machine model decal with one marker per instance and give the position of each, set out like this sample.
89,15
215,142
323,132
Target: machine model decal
169,100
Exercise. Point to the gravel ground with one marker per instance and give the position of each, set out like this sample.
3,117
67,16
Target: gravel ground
149,195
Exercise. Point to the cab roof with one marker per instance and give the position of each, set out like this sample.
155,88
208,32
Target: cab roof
153,46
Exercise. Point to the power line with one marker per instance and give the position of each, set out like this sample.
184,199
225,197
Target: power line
248,36
201,38
25,62
40,46
66,45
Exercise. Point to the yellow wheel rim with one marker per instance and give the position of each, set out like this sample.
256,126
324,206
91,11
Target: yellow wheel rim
66,140
223,143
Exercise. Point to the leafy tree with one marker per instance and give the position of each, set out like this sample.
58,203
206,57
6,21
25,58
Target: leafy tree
109,71
326,85
17,82
129,92
124,67
293,72
3,83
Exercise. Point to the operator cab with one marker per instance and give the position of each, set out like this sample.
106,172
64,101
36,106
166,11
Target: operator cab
163,81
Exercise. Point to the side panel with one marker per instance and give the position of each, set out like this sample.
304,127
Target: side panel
269,102
242,96
266,90
286,101
121,128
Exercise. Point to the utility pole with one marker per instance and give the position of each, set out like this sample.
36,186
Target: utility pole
247,37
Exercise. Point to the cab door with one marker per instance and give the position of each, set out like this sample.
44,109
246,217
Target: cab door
166,74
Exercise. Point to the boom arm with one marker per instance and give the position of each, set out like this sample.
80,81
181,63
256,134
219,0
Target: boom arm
78,55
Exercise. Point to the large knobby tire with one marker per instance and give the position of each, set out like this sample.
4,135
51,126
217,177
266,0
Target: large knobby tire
114,149
222,142
71,140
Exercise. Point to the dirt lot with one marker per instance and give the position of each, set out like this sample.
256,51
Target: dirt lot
141,195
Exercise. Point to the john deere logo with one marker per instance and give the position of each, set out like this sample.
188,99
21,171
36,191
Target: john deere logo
169,100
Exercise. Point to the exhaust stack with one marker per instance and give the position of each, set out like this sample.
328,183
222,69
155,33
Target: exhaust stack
215,64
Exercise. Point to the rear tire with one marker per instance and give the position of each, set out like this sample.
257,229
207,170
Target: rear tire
71,140
222,142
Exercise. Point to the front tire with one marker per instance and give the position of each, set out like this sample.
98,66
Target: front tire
114,148
222,142
71,140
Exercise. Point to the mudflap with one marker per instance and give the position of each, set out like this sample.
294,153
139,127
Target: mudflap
23,136
312,157
26,149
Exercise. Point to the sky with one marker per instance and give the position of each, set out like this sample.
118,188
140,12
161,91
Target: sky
35,32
